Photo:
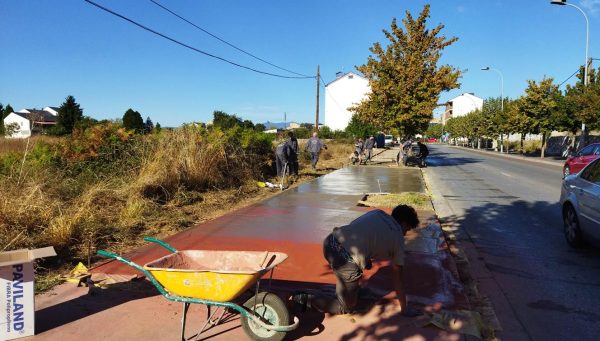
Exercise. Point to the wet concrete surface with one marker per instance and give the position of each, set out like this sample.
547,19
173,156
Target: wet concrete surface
294,222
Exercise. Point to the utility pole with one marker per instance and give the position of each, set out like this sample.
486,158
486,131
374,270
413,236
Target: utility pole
317,118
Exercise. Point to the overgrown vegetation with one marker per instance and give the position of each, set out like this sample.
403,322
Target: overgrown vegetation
104,186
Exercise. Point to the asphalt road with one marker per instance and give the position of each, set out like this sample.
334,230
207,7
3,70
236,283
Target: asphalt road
509,215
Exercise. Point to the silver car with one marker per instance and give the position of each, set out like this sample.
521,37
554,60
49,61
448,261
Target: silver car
580,202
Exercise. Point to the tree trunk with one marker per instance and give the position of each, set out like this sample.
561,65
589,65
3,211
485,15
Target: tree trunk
522,143
544,140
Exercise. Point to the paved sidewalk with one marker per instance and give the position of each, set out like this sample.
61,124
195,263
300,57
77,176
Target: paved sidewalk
294,222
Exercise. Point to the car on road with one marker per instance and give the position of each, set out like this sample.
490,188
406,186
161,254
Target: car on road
580,202
389,140
575,163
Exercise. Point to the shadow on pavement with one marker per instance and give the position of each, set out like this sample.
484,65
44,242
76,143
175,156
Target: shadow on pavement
96,301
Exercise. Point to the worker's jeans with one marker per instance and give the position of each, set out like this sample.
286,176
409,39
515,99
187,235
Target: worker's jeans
369,154
314,158
347,275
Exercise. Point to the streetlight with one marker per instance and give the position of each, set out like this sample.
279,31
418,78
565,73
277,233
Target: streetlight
487,68
585,64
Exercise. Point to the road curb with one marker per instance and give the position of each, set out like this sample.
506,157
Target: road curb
446,217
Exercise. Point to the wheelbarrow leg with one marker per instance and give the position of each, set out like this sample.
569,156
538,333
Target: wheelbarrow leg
186,306
209,320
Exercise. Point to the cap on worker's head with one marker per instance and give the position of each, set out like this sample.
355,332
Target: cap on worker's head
290,133
315,134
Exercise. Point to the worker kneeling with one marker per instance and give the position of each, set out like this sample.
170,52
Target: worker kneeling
349,249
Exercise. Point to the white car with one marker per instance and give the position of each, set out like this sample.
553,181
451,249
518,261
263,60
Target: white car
580,202
388,140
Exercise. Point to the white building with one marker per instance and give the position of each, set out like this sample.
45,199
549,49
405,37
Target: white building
344,92
462,105
28,121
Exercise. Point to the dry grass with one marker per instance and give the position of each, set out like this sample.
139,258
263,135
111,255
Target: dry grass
18,145
156,185
417,200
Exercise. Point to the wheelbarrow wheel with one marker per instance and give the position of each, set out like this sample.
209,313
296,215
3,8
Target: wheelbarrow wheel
272,310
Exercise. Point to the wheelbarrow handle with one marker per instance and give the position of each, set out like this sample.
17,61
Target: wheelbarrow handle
161,243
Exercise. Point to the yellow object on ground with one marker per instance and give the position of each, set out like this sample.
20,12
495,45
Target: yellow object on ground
78,273
218,276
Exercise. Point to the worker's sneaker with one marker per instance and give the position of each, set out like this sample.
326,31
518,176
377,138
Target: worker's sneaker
302,300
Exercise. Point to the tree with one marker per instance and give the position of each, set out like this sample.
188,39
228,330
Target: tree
7,111
69,114
435,131
157,127
357,128
225,121
247,124
260,127
540,104
148,125
132,120
405,79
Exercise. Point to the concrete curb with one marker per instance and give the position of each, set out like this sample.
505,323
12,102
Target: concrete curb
556,163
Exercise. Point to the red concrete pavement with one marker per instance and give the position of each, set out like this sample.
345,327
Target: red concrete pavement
295,222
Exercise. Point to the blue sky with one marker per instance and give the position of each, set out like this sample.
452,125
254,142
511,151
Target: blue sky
51,49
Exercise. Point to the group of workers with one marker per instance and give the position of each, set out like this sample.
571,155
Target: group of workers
363,150
286,154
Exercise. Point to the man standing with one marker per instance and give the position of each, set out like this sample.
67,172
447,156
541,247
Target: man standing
369,145
314,146
283,154
349,249
294,166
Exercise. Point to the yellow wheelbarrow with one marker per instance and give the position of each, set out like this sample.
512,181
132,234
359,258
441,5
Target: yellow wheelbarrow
217,278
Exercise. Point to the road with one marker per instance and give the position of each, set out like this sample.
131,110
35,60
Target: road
509,215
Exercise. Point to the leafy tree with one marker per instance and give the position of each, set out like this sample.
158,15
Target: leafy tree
69,114
325,132
148,125
132,120
302,133
405,79
260,127
247,124
357,128
308,126
434,130
157,127
539,105
225,121
7,111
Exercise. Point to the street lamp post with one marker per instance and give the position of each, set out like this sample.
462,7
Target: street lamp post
585,64
487,68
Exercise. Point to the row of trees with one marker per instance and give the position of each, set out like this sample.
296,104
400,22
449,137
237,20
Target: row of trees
543,108
70,116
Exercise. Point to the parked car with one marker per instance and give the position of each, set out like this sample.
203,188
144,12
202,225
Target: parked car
389,140
431,140
575,163
580,202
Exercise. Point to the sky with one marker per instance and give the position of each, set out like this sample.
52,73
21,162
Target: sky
53,49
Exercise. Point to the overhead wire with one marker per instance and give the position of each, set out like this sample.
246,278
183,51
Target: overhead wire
191,47
224,41
571,76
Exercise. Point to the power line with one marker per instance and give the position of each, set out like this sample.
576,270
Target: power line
574,73
191,47
223,41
